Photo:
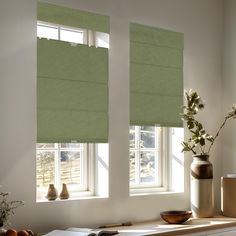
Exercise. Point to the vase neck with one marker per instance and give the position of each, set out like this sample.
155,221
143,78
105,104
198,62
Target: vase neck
201,156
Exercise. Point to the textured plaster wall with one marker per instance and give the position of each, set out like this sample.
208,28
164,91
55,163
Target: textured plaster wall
201,23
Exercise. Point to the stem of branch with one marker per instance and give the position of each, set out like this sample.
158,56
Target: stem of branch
217,134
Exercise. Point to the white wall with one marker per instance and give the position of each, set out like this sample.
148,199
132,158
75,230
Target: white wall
229,85
201,23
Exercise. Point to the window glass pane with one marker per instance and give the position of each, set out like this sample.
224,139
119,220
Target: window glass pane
71,145
45,145
45,168
73,36
147,128
132,167
132,128
147,137
71,167
132,138
147,167
102,40
48,32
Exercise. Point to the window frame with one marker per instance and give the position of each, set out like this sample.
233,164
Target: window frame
63,27
90,37
88,167
164,167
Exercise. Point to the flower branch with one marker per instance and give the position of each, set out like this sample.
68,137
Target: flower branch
199,139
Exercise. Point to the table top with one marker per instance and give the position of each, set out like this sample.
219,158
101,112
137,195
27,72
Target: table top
193,225
160,228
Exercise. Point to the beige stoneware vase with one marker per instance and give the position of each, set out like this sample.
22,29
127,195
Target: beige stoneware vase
202,197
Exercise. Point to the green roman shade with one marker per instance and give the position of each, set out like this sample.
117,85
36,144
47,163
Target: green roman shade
72,93
72,81
72,17
156,76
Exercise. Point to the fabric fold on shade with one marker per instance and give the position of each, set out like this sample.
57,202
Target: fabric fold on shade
72,17
72,93
156,76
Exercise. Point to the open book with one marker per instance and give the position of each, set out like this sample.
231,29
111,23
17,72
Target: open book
82,232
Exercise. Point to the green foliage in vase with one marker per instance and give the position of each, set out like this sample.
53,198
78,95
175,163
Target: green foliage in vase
7,208
200,142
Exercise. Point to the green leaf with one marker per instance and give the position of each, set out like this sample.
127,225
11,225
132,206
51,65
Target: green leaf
190,124
202,141
199,126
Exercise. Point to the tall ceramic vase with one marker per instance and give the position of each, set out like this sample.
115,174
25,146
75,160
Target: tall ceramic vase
202,196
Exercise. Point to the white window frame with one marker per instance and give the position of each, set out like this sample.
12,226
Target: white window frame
164,167
90,165
64,27
89,36
87,166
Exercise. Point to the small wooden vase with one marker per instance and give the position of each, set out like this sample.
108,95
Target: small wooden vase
64,192
52,193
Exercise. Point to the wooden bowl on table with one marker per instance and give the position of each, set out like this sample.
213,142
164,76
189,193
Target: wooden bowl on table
175,217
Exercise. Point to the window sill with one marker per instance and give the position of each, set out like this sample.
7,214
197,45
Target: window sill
81,196
154,193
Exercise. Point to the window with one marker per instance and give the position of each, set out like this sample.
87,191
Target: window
156,97
155,158
72,163
47,31
59,163
144,155
72,35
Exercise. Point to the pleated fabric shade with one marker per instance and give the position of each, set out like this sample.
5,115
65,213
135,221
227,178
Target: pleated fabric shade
156,76
72,92
72,17
72,83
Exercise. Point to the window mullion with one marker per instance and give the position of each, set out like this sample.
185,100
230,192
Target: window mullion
159,154
89,166
137,155
57,166
165,155
59,33
84,154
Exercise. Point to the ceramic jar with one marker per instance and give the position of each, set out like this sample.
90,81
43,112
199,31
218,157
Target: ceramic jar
52,193
202,196
64,192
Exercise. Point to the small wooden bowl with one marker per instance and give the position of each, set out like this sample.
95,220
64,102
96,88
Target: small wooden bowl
175,217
